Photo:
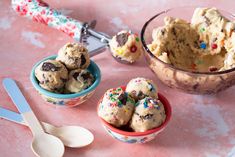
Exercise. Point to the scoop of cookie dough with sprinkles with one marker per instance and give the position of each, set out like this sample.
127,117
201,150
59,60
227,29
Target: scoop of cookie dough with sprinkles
140,87
116,107
126,46
149,113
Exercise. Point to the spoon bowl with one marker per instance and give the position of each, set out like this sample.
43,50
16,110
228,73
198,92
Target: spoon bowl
71,136
45,145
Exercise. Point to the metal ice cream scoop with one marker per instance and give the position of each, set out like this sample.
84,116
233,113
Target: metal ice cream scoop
83,32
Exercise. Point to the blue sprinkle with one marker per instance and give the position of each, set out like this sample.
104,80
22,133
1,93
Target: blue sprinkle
203,45
55,13
145,104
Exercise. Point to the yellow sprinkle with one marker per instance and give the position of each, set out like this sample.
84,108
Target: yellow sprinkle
120,51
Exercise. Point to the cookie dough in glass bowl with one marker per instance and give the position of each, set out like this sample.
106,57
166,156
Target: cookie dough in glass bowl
191,49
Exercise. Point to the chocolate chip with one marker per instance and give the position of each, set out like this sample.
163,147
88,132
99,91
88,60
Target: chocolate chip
208,22
214,40
174,31
47,66
63,80
70,45
140,94
212,68
196,45
86,76
147,116
75,75
122,39
133,92
123,98
83,60
163,31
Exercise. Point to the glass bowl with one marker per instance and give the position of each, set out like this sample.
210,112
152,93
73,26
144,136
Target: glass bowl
186,81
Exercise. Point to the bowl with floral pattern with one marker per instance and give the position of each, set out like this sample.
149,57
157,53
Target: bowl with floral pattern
68,100
128,136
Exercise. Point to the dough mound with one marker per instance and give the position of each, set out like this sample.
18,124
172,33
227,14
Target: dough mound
51,75
149,113
126,46
79,80
207,44
74,56
116,107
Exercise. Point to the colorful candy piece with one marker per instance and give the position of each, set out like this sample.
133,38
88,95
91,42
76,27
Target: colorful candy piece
214,46
203,45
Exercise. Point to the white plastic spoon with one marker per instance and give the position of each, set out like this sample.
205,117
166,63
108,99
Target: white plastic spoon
71,136
43,145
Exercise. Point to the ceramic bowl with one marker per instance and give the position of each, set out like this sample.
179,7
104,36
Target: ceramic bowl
138,137
186,81
68,100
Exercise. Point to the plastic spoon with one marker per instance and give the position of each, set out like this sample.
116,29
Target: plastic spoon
71,136
43,145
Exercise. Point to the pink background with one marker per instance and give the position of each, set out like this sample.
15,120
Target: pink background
200,126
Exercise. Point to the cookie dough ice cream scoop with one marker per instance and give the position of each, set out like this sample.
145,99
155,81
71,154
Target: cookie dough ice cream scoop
126,46
116,107
149,113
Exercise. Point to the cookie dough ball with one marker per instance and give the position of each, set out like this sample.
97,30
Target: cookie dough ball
51,75
74,56
79,80
149,113
126,46
139,88
116,107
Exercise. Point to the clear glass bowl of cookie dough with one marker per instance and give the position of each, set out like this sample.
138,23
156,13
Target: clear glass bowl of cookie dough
184,80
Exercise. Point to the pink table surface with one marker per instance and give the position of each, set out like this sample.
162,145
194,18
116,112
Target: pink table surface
200,126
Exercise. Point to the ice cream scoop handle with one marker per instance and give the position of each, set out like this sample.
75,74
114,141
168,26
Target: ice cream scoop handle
40,11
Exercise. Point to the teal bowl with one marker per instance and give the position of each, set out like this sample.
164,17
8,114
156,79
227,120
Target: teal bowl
68,100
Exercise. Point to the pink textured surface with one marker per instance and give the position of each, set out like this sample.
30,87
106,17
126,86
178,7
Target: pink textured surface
200,125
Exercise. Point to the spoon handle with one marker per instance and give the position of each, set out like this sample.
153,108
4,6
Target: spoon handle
17,118
11,116
22,105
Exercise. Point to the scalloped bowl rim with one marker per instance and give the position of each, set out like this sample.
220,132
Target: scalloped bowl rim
34,81
167,107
